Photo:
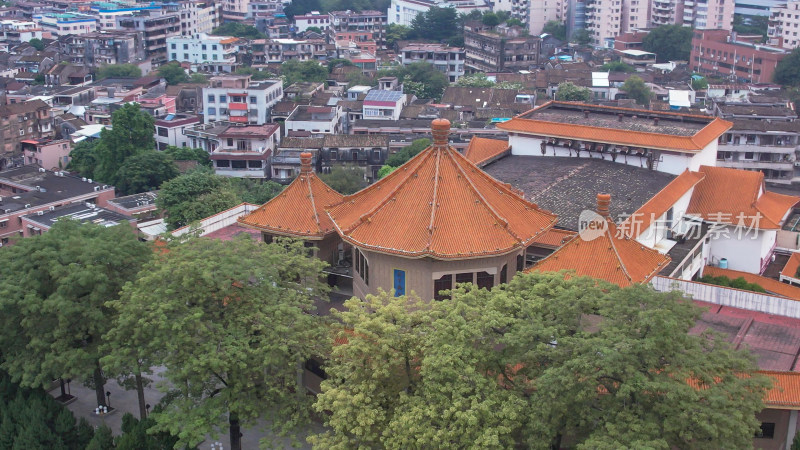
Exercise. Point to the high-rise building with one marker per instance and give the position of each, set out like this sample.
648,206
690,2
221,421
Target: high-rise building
784,24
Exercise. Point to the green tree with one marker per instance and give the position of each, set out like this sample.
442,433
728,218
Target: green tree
345,180
237,334
669,43
556,29
144,172
195,196
102,440
131,133
135,435
119,70
525,364
300,7
787,72
408,152
239,30
490,19
173,73
618,66
53,290
699,83
188,154
568,92
515,23
338,62
422,79
582,37
83,158
37,44
438,24
637,90
255,75
295,71
751,25
475,80
396,33
198,78
314,30
254,191
385,170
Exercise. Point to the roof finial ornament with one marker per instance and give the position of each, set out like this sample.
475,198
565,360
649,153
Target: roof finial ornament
305,162
441,133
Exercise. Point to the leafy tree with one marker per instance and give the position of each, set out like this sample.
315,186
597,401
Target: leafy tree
738,283
314,30
385,170
669,43
37,44
300,7
131,133
556,28
408,152
38,79
173,73
345,180
569,92
396,33
338,62
509,85
438,24
523,365
699,83
144,172
582,37
475,80
119,70
102,440
515,23
195,196
751,25
188,154
618,66
420,79
53,290
83,158
490,19
637,90
198,78
239,30
787,72
135,435
256,192
296,71
237,333
255,75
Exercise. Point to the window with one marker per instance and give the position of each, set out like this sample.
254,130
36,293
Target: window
214,47
186,46
237,164
485,280
463,278
174,56
163,132
767,431
253,100
254,164
211,98
445,283
223,98
223,163
355,155
520,262
314,366
205,57
334,154
173,46
4,241
4,224
362,266
399,282
504,274
749,155
230,142
204,46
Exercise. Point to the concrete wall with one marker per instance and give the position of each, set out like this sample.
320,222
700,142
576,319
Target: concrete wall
742,252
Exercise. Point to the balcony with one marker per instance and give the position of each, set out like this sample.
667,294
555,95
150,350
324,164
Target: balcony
755,164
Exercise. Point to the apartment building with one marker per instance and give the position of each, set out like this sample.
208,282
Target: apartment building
448,60
503,49
108,12
767,147
784,24
51,154
101,48
236,98
170,129
12,31
384,105
62,24
363,21
312,19
234,10
199,16
156,27
403,12
29,120
542,11
702,14
316,121
237,150
607,19
280,50
205,53
719,52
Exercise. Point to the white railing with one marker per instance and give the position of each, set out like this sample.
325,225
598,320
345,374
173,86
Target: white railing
735,298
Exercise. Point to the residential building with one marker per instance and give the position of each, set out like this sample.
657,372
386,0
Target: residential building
237,150
108,12
385,105
719,52
106,48
281,50
41,221
235,10
30,189
29,120
312,19
784,21
632,40
205,53
607,19
366,151
12,30
342,22
576,16
156,27
502,49
238,99
68,75
47,153
448,60
169,129
138,206
63,24
315,120
542,11
763,145
403,12
704,14
286,163
199,16
659,141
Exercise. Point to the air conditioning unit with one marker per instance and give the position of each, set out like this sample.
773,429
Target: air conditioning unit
96,188
42,169
52,208
39,213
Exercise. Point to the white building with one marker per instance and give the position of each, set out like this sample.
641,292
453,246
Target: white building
205,53
237,150
62,24
448,60
662,141
107,13
784,24
18,31
314,120
385,105
235,98
199,16
170,130
403,12
312,19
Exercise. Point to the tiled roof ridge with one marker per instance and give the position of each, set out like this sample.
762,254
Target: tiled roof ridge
435,200
569,175
311,198
611,228
622,108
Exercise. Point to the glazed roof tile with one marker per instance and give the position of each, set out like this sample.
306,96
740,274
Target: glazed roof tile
772,286
733,196
450,209
790,269
482,150
639,221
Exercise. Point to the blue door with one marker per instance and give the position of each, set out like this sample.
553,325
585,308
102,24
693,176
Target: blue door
399,282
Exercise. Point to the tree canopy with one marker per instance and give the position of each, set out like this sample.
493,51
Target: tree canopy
669,43
569,92
188,154
131,133
475,80
396,33
556,29
173,73
239,30
751,25
237,333
83,158
37,44
118,70
787,72
637,90
295,71
526,364
438,24
53,293
345,180
195,196
145,171
255,75
408,152
581,37
420,79
618,66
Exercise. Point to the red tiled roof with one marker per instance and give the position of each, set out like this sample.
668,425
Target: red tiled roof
298,211
639,221
772,286
554,237
685,144
785,392
733,196
481,150
611,257
440,205
790,269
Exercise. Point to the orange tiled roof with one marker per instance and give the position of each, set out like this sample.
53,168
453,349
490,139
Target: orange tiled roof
611,257
639,221
440,205
785,392
685,144
481,150
773,286
732,196
554,237
790,269
298,211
